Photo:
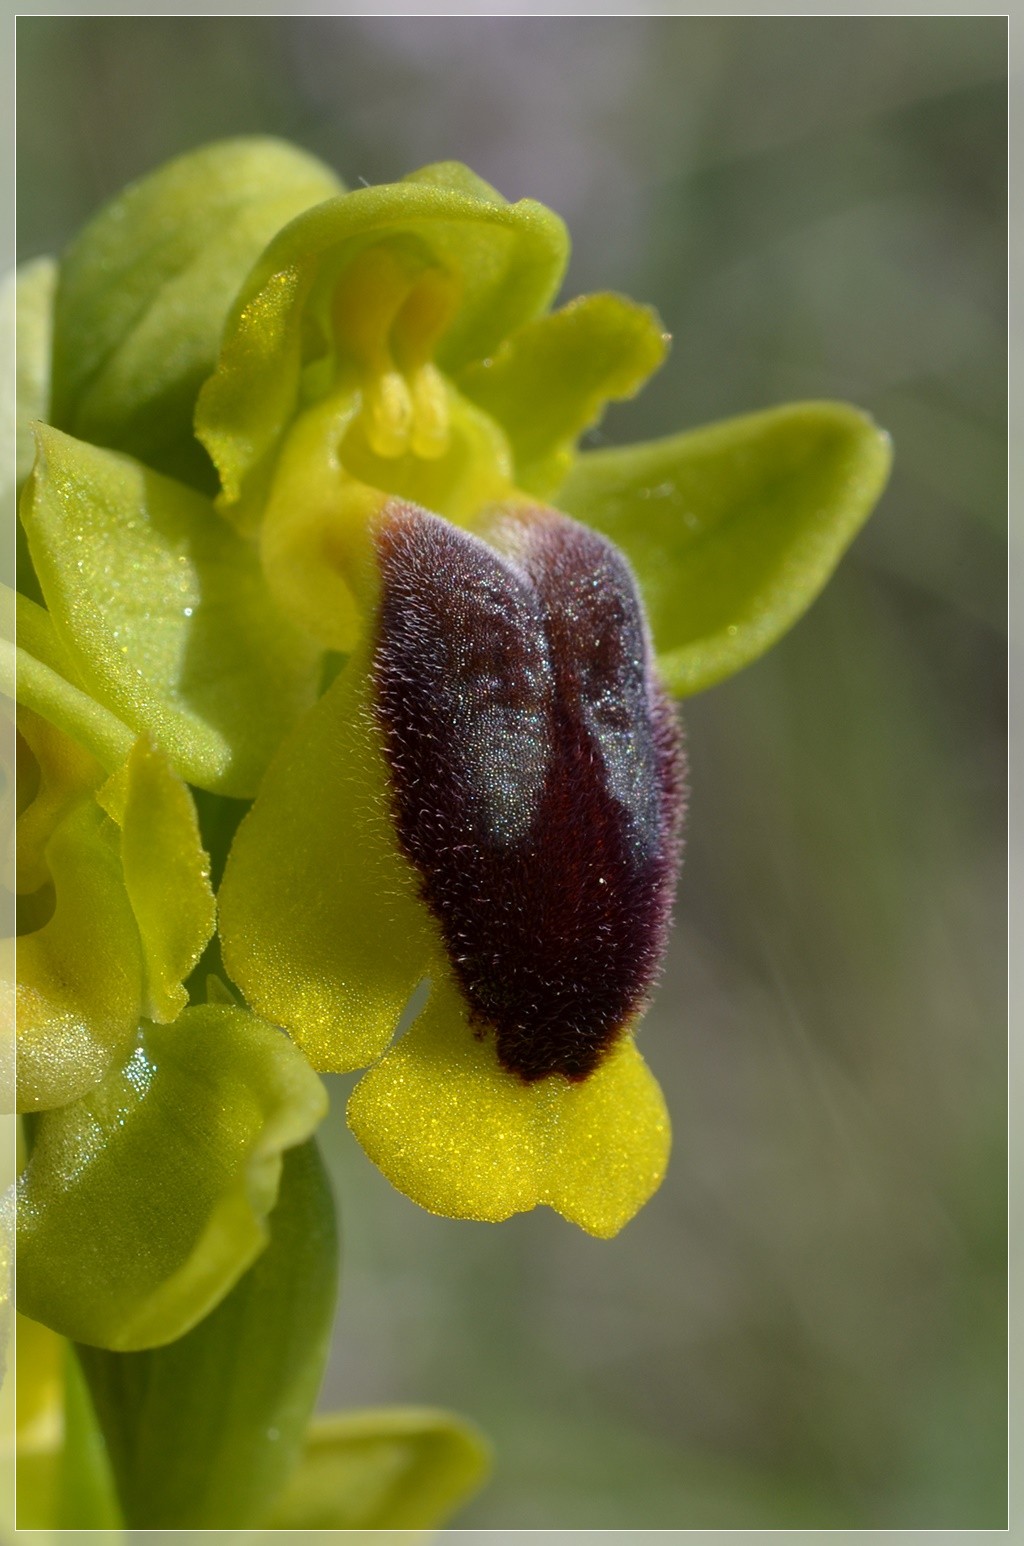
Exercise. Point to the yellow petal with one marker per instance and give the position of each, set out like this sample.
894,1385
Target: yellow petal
462,1137
321,923
79,977
166,872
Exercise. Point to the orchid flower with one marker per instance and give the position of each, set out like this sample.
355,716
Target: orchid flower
307,526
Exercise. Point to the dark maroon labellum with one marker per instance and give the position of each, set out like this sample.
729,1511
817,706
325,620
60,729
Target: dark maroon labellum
536,773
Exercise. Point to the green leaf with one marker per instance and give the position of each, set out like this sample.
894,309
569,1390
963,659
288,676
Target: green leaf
733,530
144,1201
205,1431
165,612
397,1469
145,288
551,379
501,262
86,1499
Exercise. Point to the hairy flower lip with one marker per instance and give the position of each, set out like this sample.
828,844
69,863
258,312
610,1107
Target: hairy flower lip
546,827
461,391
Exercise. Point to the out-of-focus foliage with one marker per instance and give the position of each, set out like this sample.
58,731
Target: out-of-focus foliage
806,1327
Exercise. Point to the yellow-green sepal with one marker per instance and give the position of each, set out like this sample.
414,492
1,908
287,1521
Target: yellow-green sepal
399,1468
734,529
499,264
165,612
553,377
144,1201
166,873
465,1138
146,286
321,924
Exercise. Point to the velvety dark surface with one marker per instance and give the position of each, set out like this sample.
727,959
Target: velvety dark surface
536,774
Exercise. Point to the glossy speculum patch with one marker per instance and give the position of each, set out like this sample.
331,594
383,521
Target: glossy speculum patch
536,773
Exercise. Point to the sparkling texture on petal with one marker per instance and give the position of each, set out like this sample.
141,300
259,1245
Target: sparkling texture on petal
462,1137
320,922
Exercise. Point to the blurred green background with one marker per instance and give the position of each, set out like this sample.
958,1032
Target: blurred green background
806,1327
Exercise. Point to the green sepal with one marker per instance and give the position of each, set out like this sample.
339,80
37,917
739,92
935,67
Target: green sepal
165,612
552,378
401,1468
203,1433
733,530
145,288
505,262
144,1202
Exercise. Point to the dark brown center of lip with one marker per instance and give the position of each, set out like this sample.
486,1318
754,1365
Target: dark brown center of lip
536,774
